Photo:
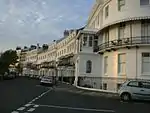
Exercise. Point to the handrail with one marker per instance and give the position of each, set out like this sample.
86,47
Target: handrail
125,42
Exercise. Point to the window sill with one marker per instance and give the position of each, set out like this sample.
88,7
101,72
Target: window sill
143,6
122,74
146,74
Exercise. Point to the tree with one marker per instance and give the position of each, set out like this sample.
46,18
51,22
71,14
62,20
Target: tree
19,68
8,58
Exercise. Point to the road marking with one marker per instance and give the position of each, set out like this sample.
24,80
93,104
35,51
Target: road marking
27,105
15,112
21,108
30,103
79,109
42,86
36,98
138,103
35,106
31,109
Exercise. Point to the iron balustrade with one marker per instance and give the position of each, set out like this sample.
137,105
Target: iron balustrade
127,42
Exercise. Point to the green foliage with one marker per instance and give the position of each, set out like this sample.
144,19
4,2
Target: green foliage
7,58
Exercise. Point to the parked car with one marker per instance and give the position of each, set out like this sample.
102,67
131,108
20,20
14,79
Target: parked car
8,77
48,80
135,89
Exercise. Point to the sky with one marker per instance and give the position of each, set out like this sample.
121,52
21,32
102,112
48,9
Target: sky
26,22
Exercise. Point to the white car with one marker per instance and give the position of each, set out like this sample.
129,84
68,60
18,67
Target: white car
135,89
49,80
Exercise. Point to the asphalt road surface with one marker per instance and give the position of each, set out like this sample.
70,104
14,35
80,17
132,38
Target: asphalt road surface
24,95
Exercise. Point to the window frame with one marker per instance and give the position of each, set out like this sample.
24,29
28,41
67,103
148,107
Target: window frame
120,63
90,41
121,4
133,85
107,11
89,66
85,38
141,3
105,65
121,30
145,62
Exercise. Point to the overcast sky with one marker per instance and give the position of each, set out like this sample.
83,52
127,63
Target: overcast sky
25,22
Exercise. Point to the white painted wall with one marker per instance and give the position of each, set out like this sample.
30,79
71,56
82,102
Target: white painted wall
114,15
96,65
130,63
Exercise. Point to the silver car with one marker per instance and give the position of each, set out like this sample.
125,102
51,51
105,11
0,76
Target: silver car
49,80
135,89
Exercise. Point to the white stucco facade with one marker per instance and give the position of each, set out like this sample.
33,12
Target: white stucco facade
123,33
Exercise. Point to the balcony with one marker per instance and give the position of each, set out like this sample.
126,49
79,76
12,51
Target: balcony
65,63
48,65
124,43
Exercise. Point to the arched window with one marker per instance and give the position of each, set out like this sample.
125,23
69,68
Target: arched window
89,66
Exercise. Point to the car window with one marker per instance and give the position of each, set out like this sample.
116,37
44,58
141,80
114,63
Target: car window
133,84
146,85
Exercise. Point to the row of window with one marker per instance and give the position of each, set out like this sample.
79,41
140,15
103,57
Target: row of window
70,48
90,41
122,64
145,28
62,44
121,6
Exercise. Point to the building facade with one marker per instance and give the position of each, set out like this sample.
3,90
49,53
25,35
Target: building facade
124,40
113,46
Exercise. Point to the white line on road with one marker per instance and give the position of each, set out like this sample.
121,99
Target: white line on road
15,112
38,97
21,108
79,109
27,105
31,109
30,103
35,106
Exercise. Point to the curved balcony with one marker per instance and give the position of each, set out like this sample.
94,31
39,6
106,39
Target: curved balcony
124,43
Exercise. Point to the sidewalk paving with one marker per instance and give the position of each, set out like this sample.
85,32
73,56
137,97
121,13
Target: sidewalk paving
73,89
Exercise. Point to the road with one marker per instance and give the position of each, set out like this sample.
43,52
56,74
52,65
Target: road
24,95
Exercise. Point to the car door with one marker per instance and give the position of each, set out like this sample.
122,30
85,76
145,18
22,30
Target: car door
145,92
135,89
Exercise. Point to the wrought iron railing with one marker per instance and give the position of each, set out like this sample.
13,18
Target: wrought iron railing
127,42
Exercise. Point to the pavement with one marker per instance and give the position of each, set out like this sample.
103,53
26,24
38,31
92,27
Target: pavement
23,95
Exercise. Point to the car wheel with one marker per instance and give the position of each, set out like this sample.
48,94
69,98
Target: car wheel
126,97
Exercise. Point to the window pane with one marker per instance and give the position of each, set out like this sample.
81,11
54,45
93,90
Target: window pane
145,54
88,66
122,63
146,68
133,83
144,2
105,64
146,85
121,58
106,11
90,41
85,41
121,4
